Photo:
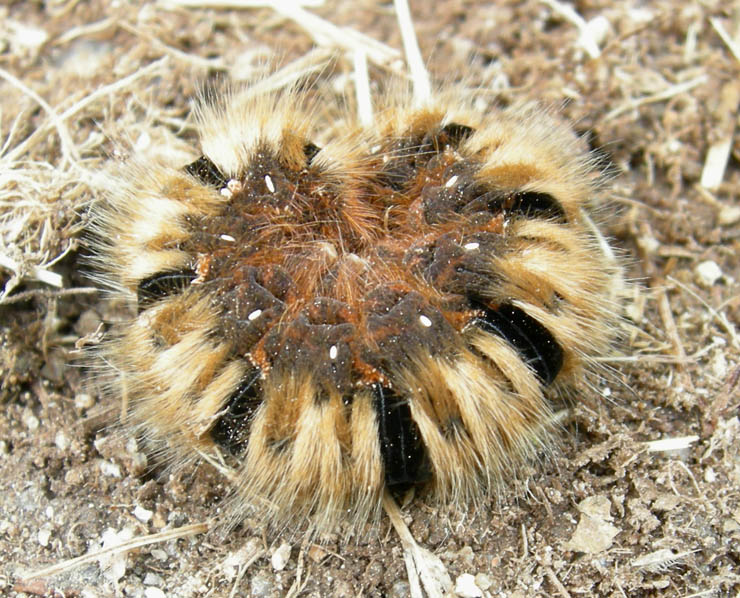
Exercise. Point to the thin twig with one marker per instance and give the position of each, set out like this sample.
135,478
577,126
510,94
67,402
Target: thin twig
725,37
719,316
47,293
138,542
43,130
557,583
586,37
421,565
419,74
661,96
243,569
68,147
39,273
670,444
669,323
362,89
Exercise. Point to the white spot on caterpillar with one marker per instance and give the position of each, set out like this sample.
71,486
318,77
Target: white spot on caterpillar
333,351
471,246
233,186
425,321
254,315
269,183
227,238
451,181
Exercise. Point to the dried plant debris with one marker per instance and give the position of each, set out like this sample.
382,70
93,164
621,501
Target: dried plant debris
642,497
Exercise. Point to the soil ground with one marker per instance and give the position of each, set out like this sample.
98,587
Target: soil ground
612,514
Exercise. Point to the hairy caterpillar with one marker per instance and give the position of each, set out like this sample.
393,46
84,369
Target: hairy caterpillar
335,315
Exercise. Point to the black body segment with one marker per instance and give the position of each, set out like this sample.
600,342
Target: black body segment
454,134
310,150
206,172
532,340
161,285
230,430
401,446
532,204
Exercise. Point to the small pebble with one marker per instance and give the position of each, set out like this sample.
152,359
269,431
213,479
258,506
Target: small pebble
280,557
483,581
84,401
400,589
153,592
261,585
599,28
61,441
707,273
316,553
728,215
719,366
110,469
142,514
465,556
44,535
31,421
152,579
465,587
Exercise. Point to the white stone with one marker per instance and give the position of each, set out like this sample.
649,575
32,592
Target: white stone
114,564
43,536
25,36
718,364
84,401
142,514
594,533
152,579
707,273
280,557
709,475
61,441
728,215
31,421
599,28
110,469
465,587
483,581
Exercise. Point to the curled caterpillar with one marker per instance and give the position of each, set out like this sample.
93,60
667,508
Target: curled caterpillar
335,315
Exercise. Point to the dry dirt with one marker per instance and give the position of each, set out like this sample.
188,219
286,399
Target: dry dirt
610,515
